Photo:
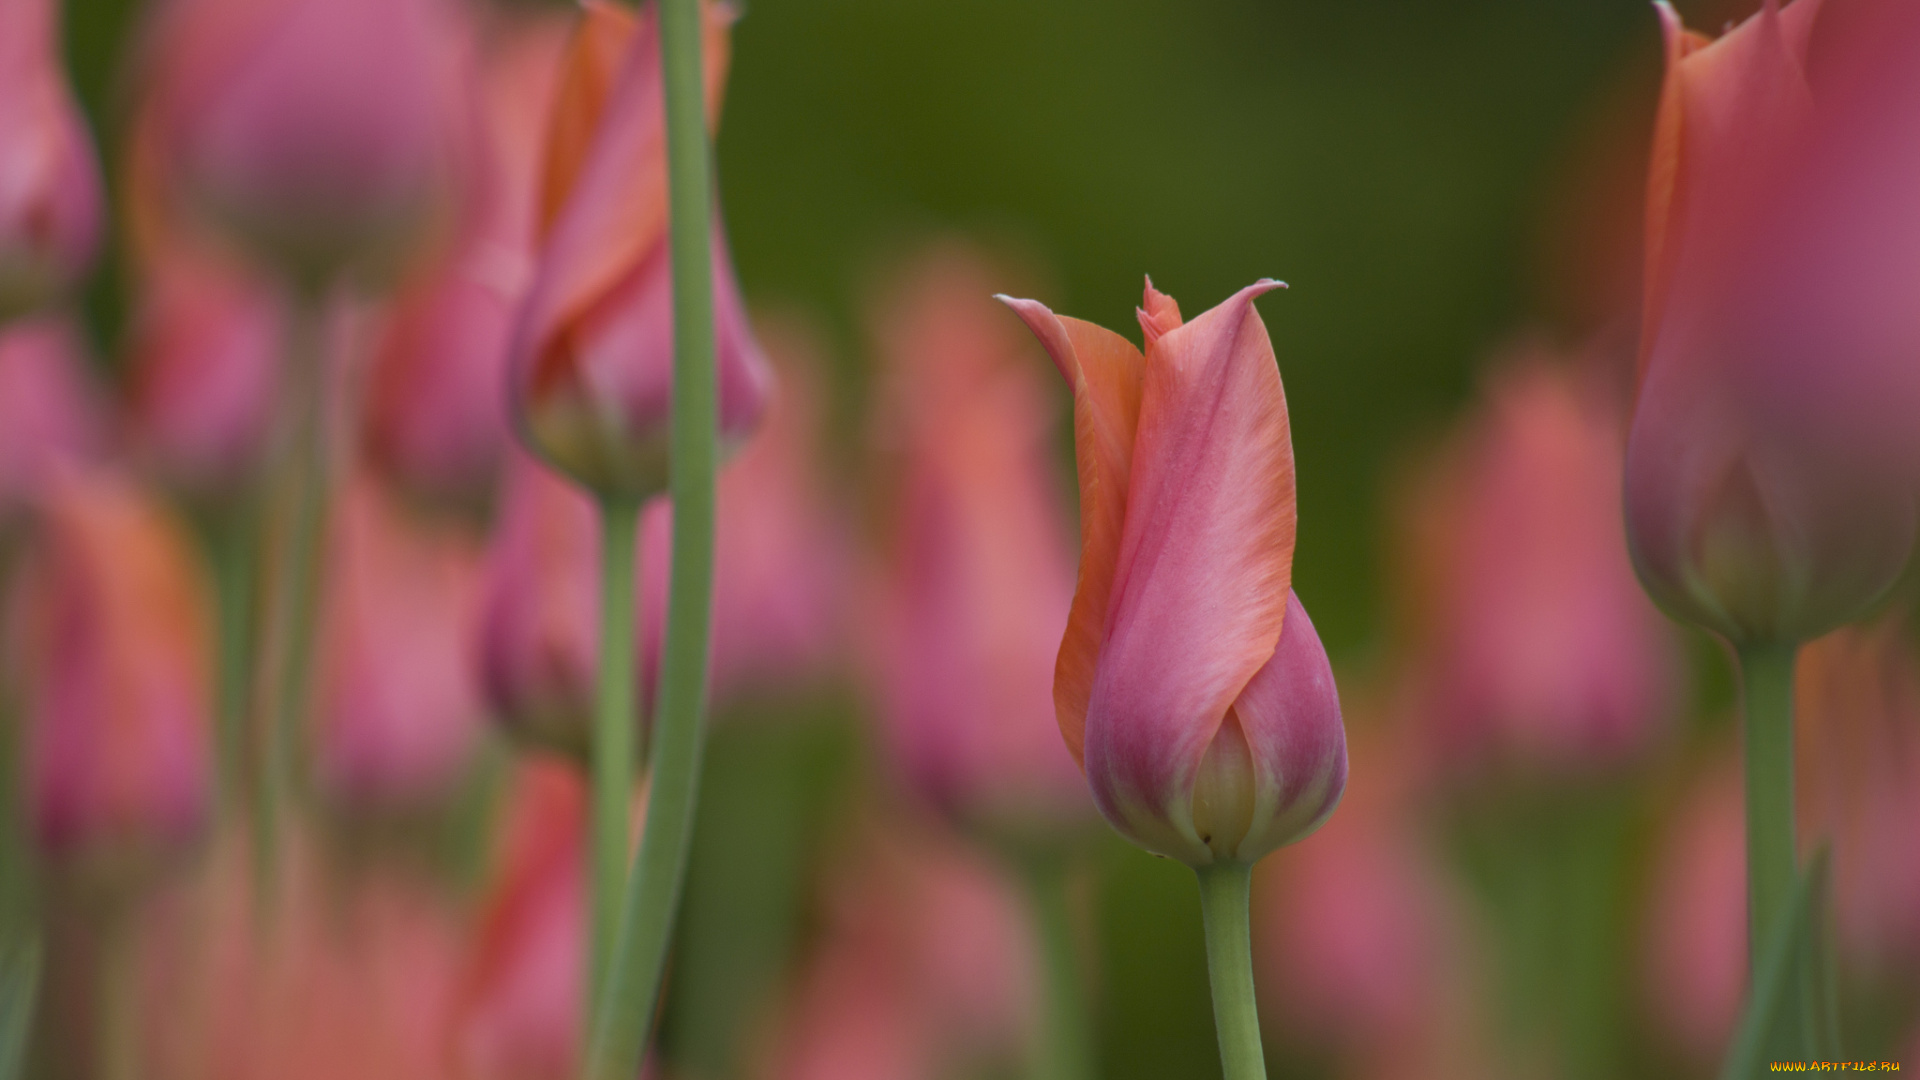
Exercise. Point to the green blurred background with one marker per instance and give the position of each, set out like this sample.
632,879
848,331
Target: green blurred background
1405,166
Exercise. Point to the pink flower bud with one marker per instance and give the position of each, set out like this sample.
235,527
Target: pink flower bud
519,1013
50,201
972,588
399,709
1536,646
116,658
1190,682
592,357
49,409
436,401
319,133
1751,510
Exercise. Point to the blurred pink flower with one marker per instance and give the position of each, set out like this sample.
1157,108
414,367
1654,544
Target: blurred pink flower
925,960
51,211
318,133
1191,683
399,709
781,559
969,594
519,1012
1781,261
50,410
1694,960
436,403
114,646
592,357
1535,645
539,646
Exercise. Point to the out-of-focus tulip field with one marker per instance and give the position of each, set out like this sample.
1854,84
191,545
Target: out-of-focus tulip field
493,587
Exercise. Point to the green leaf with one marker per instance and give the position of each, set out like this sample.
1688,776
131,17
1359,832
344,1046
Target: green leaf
1792,1013
19,987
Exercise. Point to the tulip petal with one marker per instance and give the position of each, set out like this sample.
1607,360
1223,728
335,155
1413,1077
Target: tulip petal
1105,371
1200,589
1290,715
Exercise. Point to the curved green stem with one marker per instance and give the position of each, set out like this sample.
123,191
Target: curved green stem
1064,1046
1225,893
1766,692
292,615
627,1007
613,734
232,534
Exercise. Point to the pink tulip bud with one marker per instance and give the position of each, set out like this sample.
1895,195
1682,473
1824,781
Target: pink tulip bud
1190,682
519,1015
50,200
976,576
539,636
1537,647
591,368
49,409
321,134
399,706
436,401
1750,510
117,663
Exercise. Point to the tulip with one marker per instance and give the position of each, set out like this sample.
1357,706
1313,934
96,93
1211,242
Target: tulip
977,572
1538,646
1694,958
49,409
519,1013
1190,685
780,551
436,401
591,360
538,649
117,666
1763,527
319,134
399,707
50,199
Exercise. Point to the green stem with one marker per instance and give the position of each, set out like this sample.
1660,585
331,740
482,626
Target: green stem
613,735
1766,683
292,614
118,1019
627,1008
1225,893
232,532
1064,1046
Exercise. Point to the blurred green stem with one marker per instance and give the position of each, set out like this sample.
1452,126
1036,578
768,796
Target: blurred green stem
117,1023
1225,894
627,1008
1063,1048
1766,685
613,734
292,613
232,535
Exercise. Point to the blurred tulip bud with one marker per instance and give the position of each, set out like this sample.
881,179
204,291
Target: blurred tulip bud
519,1014
204,351
49,409
972,589
591,365
781,558
1538,647
50,200
115,635
1190,682
436,402
320,134
1751,510
399,709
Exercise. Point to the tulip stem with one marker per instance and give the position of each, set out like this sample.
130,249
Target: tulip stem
1766,688
1226,891
232,535
1063,1048
291,618
629,1002
613,735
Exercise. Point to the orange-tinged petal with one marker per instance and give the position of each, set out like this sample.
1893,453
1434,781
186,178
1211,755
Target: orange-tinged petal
1159,313
1663,174
1106,372
592,62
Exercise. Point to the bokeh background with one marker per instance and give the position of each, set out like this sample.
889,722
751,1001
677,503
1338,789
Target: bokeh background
1441,185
